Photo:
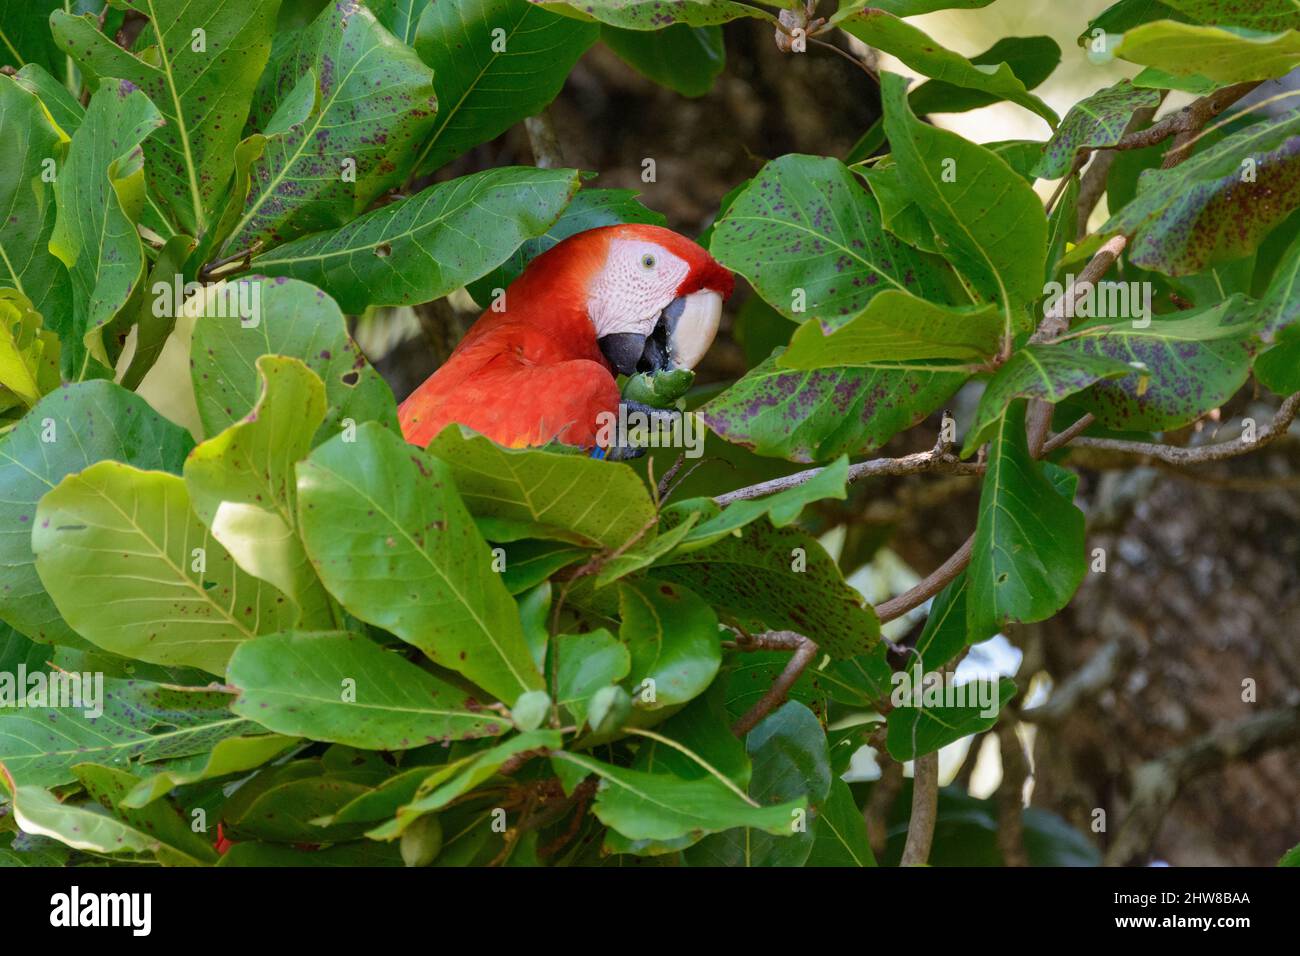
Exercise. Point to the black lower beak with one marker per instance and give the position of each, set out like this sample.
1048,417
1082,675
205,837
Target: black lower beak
622,350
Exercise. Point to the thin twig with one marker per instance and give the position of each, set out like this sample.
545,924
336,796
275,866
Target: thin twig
1010,797
799,661
1175,455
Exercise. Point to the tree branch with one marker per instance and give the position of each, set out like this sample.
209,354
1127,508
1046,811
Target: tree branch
925,810
804,655
547,153
1175,455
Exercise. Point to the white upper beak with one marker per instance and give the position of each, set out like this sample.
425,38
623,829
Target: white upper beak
693,332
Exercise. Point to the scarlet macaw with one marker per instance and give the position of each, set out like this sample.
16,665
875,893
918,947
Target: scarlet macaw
617,299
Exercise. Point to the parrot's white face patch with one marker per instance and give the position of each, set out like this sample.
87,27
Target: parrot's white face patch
638,282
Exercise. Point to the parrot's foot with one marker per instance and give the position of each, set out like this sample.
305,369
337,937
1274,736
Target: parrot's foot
638,427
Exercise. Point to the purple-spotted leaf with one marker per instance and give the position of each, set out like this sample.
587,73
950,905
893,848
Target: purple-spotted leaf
142,726
1217,205
821,414
1184,365
1043,372
422,248
1094,122
808,236
1263,15
768,578
374,106
199,63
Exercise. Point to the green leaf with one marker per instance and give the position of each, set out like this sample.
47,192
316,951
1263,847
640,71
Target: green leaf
1038,371
807,235
897,326
683,58
1252,14
422,248
39,812
399,17
1124,15
455,779
1096,121
840,832
67,431
1190,363
589,209
1224,56
1279,367
203,90
753,579
945,633
912,8
25,35
821,414
29,355
242,484
791,762
1028,558
142,726
989,222
350,855
782,508
655,806
299,183
654,14
916,49
393,543
344,688
288,803
1279,306
672,635
230,756
923,722
584,663
99,193
133,571
487,81
163,821
32,140
66,111
1219,204
296,320
1031,59
548,494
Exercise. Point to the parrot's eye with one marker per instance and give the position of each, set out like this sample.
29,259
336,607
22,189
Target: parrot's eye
647,261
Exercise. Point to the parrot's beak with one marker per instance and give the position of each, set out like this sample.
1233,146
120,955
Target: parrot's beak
691,332
681,335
